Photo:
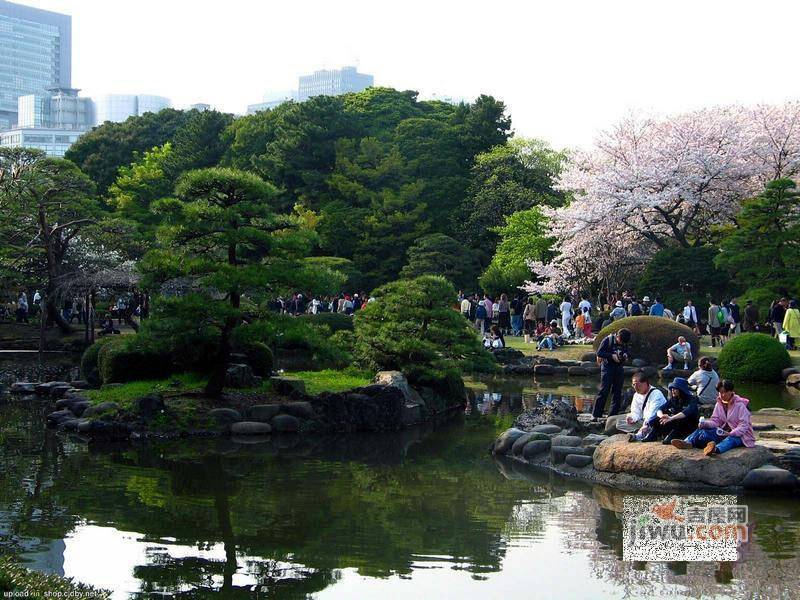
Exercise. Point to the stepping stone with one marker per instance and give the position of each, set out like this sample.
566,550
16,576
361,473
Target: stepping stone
543,370
263,412
22,387
535,447
778,434
763,426
547,428
776,446
794,440
225,415
770,478
559,453
566,440
594,438
250,428
578,461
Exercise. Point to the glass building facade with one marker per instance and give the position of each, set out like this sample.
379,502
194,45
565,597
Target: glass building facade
35,55
333,83
62,109
118,107
54,142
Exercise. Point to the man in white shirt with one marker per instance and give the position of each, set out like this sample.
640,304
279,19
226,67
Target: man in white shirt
465,307
690,316
645,405
566,316
584,303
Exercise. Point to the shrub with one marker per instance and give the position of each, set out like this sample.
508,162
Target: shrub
412,328
260,358
132,359
651,336
89,367
753,357
335,321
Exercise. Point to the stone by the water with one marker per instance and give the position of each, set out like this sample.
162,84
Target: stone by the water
577,371
225,415
301,410
519,443
285,424
23,387
578,460
770,478
559,453
616,455
506,440
567,440
535,447
263,412
547,428
593,438
544,370
97,409
250,428
763,426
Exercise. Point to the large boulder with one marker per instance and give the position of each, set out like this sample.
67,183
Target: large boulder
397,380
263,412
505,442
617,455
285,424
650,337
535,447
250,428
770,478
507,356
578,460
23,387
239,376
98,409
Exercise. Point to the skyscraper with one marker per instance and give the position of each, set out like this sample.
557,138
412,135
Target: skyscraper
35,55
118,107
333,83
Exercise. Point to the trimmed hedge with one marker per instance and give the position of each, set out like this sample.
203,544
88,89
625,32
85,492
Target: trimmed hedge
651,336
131,360
336,321
753,357
260,358
89,366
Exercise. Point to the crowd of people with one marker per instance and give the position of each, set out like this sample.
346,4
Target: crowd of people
301,304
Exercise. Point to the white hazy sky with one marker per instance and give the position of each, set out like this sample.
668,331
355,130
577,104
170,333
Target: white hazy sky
565,68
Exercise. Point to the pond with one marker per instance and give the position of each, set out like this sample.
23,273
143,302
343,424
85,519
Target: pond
423,513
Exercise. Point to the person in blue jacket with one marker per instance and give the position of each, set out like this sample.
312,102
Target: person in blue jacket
612,354
678,417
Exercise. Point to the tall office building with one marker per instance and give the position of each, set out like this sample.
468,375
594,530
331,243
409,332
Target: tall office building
333,83
271,100
118,107
35,55
61,109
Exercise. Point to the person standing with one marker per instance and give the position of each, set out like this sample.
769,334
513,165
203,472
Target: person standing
552,312
584,303
504,314
465,306
587,322
480,317
529,321
657,309
716,321
618,312
791,325
750,321
612,355
22,308
736,317
566,317
690,317
541,310
516,315
489,306
776,315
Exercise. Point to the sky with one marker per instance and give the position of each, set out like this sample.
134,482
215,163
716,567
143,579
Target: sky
566,69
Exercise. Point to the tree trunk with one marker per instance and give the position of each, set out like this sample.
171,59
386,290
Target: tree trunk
54,315
216,382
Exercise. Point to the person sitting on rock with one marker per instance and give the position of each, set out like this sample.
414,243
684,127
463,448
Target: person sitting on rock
644,406
551,338
705,381
494,340
107,325
678,417
729,426
682,352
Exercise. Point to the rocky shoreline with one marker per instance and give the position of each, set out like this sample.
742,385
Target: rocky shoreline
550,437
389,404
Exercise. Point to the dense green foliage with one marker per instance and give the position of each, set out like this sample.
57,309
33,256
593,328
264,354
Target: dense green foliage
334,321
763,249
753,357
132,358
18,581
411,327
680,274
439,254
651,336
89,361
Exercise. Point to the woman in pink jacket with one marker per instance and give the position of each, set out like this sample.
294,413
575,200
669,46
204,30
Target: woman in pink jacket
729,426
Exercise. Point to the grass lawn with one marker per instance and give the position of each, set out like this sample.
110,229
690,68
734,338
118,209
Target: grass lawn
125,393
331,380
568,352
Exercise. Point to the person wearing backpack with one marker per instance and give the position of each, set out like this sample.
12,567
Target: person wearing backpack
714,323
481,317
634,308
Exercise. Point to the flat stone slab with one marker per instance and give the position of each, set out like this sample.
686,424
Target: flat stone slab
776,446
763,426
777,434
578,461
794,440
567,440
655,460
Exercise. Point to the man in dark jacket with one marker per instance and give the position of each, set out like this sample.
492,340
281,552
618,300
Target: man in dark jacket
612,355
677,418
777,314
750,321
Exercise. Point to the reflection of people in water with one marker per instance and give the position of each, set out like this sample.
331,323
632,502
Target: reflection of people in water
490,401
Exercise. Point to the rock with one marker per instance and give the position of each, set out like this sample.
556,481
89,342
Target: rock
547,428
560,370
78,408
639,363
587,364
81,384
506,356
506,440
566,440
589,357
770,478
611,424
763,426
397,380
301,410
577,371
238,357
628,370
793,440
43,389
23,387
578,461
535,447
58,391
789,371
593,438
64,403
225,415
559,453
590,449
616,455
97,409
593,370
263,413
543,370
239,376
54,418
250,428
150,405
84,425
793,380
286,386
790,460
547,360
519,443
649,372
285,424
69,425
